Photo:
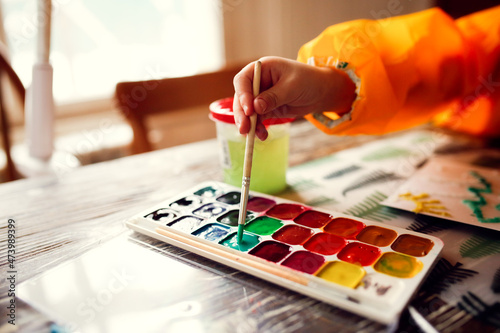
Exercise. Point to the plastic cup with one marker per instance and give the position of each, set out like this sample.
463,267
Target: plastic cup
270,157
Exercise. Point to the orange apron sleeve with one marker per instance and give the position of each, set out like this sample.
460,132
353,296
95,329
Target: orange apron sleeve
407,69
478,110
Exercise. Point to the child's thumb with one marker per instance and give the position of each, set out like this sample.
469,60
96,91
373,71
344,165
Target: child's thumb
268,100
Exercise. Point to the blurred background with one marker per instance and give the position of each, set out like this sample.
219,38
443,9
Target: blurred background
96,44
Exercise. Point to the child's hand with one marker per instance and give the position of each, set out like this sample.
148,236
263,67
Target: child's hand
289,89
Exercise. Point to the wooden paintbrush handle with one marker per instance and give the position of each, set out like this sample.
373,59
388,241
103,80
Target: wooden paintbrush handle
256,78
247,165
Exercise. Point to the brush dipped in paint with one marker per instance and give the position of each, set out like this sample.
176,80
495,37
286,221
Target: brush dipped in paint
247,163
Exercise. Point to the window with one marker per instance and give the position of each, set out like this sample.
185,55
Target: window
96,43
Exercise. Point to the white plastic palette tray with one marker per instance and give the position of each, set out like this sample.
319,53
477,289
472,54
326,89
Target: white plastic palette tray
369,268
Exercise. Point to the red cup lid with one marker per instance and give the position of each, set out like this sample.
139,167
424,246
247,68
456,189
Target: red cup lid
222,110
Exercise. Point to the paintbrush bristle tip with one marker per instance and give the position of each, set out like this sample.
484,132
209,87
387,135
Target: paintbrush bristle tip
240,232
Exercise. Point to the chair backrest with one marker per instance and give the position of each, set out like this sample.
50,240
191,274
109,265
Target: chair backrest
139,99
7,71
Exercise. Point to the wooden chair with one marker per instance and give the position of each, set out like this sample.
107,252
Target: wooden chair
141,99
7,72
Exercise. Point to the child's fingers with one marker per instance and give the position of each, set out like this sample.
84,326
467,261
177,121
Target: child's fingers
272,99
260,130
240,119
243,88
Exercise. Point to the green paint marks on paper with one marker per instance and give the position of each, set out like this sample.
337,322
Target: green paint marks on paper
371,209
321,200
476,205
375,177
300,184
386,153
341,172
317,161
479,246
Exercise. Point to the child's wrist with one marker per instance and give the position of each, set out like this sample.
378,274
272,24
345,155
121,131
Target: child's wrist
344,91
339,91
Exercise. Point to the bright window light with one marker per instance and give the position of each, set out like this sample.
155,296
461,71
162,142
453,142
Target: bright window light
96,43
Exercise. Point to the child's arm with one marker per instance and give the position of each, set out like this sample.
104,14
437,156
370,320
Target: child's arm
412,68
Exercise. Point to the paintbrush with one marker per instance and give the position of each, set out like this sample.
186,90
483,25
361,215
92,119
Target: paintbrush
247,162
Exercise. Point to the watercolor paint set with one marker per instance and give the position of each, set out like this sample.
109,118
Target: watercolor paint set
369,268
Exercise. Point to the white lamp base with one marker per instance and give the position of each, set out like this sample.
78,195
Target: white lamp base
28,166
